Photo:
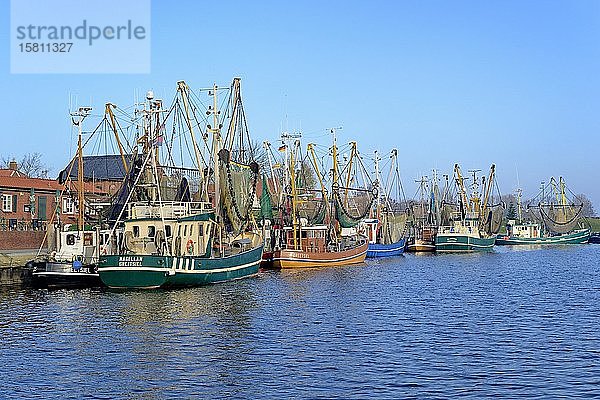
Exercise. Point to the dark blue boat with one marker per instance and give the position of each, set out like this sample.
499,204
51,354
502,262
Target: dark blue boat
386,250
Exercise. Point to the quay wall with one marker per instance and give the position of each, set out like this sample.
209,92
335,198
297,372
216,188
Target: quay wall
14,275
21,240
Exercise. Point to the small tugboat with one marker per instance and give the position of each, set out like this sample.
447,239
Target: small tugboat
474,226
75,264
78,246
386,232
174,235
560,220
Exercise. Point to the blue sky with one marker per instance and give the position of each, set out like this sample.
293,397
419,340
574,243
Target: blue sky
515,83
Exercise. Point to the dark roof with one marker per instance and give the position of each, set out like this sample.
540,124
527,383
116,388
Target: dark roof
108,167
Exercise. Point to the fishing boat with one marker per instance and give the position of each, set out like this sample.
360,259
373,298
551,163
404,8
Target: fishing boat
78,245
315,230
425,216
553,219
386,231
187,221
474,225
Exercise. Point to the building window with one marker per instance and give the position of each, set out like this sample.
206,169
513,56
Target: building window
88,239
7,203
68,206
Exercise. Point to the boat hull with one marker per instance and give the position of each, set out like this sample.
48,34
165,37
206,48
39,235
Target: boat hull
462,243
420,245
299,259
376,250
578,237
58,275
149,272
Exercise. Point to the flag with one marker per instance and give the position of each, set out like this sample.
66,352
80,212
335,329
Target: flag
282,148
159,140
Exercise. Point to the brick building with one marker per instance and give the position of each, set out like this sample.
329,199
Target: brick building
26,203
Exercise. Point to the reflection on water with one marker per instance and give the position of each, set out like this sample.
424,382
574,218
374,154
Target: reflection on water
512,323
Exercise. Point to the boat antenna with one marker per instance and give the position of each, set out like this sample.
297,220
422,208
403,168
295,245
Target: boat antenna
77,119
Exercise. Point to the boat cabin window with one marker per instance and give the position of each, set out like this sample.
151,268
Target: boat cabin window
70,240
304,233
168,230
185,230
136,231
179,230
101,239
88,239
191,229
200,230
151,231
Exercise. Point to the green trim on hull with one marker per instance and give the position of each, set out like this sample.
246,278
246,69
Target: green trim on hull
463,243
147,271
578,237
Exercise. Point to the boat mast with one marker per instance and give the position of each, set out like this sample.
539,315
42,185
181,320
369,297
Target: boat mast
311,149
461,188
421,183
377,182
488,188
435,193
349,174
81,114
334,155
519,205
475,199
184,89
292,167
267,147
563,196
109,112
215,129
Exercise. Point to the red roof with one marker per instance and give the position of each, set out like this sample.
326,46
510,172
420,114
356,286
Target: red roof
19,182
11,172
26,183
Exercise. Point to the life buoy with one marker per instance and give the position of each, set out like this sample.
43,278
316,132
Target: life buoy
190,246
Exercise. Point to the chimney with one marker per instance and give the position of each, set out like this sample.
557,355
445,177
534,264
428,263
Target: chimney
13,165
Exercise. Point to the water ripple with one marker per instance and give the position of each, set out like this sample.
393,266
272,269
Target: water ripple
508,324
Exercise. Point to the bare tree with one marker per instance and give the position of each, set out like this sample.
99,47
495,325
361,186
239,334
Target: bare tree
588,207
31,164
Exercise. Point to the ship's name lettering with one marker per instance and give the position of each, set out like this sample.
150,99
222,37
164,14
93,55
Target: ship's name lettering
130,262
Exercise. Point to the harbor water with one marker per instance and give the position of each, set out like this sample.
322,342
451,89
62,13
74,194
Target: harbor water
508,324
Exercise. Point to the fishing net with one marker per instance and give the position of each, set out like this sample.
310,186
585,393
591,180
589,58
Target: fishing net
266,206
560,219
393,226
491,221
238,187
446,211
312,206
352,205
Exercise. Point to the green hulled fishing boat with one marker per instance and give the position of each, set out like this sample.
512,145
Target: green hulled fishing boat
186,225
552,219
473,224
